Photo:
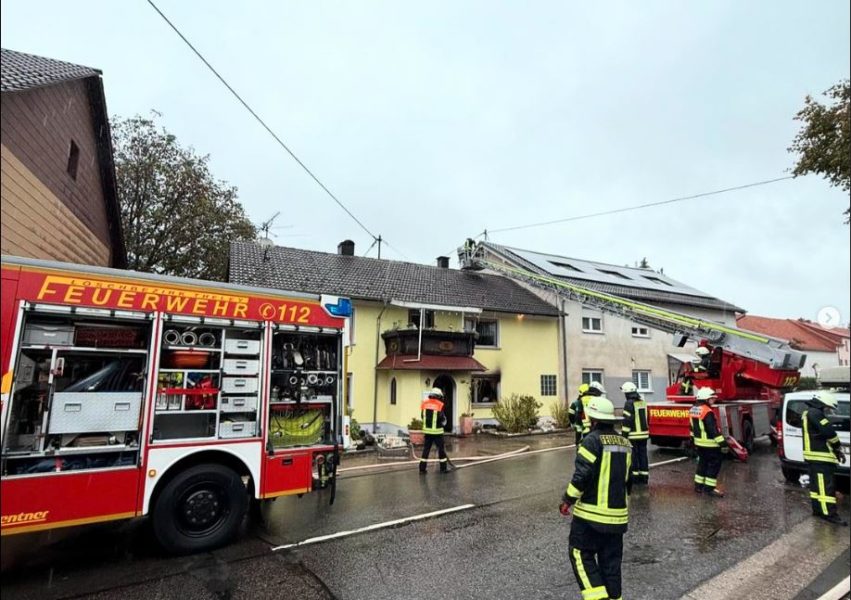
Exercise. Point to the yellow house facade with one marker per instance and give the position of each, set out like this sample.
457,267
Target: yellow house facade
478,337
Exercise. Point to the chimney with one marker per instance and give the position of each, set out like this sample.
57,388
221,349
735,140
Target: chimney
443,262
346,248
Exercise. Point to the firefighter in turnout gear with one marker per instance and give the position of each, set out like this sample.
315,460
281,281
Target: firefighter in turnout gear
821,452
634,428
434,419
709,443
576,412
593,390
598,494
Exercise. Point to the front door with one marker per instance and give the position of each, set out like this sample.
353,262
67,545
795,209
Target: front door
447,384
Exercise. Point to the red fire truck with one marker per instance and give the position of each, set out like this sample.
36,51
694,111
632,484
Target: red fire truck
127,394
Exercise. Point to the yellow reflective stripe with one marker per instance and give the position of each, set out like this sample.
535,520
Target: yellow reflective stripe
573,491
597,593
627,413
824,422
828,499
711,482
628,465
605,520
822,492
705,443
820,457
635,435
718,438
806,432
699,478
580,569
587,454
833,440
603,482
602,511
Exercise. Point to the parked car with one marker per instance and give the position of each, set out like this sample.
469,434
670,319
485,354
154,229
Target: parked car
791,440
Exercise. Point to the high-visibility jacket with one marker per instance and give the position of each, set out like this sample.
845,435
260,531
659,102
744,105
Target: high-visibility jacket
821,443
576,412
431,411
704,429
599,489
586,420
635,418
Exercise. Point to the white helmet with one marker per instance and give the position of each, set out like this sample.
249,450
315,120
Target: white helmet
705,393
629,388
702,351
436,392
826,398
597,386
601,409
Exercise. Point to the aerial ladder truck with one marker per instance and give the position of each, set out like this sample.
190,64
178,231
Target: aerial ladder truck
749,372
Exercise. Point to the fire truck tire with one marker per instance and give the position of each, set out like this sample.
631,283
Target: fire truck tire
791,475
747,436
199,509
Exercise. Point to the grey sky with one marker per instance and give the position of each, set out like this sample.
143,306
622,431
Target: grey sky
433,121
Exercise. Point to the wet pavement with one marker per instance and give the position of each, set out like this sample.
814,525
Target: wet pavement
510,544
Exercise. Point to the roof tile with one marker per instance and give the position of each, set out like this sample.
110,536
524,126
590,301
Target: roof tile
21,71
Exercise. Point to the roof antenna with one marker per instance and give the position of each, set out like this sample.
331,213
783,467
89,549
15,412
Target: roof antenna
267,225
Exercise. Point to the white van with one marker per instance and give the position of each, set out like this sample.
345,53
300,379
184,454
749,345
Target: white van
791,443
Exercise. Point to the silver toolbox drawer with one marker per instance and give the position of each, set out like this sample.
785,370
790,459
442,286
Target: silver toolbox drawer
49,335
242,346
94,412
239,385
232,404
237,429
240,366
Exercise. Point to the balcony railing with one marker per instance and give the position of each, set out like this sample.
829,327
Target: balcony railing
442,343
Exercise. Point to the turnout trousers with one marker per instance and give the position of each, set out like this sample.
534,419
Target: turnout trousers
596,560
437,440
708,467
640,467
822,488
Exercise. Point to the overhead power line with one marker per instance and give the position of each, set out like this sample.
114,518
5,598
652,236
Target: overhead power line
641,206
263,123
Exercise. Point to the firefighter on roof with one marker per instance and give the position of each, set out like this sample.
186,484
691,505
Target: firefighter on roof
434,419
709,443
598,494
634,427
821,452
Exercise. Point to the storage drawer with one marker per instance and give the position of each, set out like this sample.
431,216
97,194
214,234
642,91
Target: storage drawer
237,429
242,347
49,335
232,404
239,385
94,412
239,366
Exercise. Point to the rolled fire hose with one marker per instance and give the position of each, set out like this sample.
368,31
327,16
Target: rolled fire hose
312,379
189,338
171,337
207,339
293,380
329,380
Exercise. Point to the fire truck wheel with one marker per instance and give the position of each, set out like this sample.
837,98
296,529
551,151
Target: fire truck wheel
199,509
747,436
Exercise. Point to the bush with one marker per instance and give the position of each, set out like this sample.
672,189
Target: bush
807,383
415,424
355,431
517,413
560,415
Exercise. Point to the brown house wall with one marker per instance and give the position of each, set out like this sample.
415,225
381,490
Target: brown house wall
37,127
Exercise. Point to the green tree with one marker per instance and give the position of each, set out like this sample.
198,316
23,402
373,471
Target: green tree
824,141
177,218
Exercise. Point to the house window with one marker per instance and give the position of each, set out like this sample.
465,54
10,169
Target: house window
488,331
485,389
592,324
393,391
642,381
548,385
656,280
639,331
589,375
613,274
73,160
414,317
567,266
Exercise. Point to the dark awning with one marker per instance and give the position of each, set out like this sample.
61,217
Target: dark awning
430,362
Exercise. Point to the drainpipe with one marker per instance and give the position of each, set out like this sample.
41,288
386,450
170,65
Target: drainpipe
562,329
375,369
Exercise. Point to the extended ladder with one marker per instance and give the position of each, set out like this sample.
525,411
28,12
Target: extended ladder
771,351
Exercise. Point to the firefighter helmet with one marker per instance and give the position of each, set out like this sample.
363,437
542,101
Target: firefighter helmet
583,389
826,398
601,409
629,388
596,385
702,351
437,392
705,393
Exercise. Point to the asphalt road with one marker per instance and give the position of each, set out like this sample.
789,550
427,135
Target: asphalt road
511,543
